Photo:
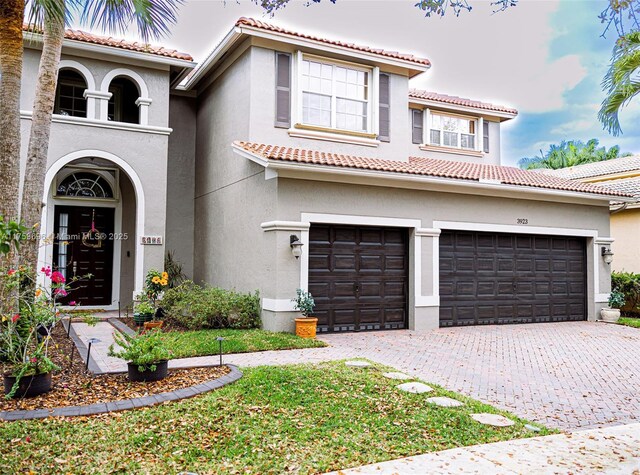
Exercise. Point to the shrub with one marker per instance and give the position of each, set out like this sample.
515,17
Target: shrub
195,307
143,350
628,284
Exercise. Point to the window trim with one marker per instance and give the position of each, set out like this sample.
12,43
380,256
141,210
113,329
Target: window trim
477,135
297,95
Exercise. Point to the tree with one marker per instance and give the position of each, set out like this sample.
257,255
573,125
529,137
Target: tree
152,19
569,154
622,82
11,19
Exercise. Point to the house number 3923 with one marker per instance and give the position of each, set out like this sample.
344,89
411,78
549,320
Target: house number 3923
522,221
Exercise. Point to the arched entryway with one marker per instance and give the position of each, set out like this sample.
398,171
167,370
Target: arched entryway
92,220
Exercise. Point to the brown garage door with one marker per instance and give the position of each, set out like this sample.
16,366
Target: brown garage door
358,277
489,278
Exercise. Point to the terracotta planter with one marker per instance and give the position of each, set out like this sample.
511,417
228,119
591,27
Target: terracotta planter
147,375
29,386
610,315
154,325
306,327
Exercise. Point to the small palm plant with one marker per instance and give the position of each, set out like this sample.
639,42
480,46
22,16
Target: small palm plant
304,302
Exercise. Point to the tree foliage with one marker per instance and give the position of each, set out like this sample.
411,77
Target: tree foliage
569,154
622,81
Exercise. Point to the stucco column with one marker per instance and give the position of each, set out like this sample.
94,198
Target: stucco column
143,104
97,104
425,269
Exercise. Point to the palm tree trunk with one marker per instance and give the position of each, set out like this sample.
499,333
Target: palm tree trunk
33,188
11,18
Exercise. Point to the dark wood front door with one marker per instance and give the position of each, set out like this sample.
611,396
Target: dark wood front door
83,245
493,278
358,277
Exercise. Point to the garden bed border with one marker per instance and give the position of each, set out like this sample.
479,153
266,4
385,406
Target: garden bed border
125,404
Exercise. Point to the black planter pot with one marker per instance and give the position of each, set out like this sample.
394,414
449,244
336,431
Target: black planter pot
159,373
43,330
29,386
140,318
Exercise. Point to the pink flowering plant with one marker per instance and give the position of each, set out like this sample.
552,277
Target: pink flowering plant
29,313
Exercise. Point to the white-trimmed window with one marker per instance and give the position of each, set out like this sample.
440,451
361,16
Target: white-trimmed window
452,131
335,95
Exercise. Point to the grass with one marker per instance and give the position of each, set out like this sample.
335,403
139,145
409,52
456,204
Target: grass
630,322
302,419
203,342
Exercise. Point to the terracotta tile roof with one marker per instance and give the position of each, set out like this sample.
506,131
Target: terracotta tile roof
629,186
459,101
243,21
588,170
426,167
83,36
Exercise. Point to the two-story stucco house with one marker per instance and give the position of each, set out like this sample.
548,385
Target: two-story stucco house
288,161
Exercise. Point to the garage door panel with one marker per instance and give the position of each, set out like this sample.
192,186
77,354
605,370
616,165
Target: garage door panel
364,278
535,279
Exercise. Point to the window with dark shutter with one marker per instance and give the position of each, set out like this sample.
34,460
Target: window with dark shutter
485,136
384,126
283,90
416,126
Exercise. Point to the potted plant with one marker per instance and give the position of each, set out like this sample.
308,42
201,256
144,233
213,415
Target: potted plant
304,303
146,355
155,284
611,314
25,335
142,312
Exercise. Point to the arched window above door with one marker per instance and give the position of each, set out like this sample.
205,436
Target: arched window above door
84,185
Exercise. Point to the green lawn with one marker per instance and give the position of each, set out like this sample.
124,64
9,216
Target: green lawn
301,419
203,342
630,322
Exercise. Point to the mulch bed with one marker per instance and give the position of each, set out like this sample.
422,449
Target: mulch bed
73,386
167,326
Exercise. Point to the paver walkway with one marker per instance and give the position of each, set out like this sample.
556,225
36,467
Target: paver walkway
614,450
565,375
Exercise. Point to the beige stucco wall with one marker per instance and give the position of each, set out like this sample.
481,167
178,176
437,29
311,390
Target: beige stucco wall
625,228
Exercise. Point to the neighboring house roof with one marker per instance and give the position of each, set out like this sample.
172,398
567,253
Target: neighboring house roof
492,174
78,35
604,168
459,101
243,21
630,186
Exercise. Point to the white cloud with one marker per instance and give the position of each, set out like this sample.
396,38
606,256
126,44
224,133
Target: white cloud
575,126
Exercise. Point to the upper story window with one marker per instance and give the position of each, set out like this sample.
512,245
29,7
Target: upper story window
70,98
335,96
451,131
122,105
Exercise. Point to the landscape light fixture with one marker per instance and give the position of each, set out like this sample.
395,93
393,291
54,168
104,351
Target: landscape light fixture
91,342
296,246
607,255
220,340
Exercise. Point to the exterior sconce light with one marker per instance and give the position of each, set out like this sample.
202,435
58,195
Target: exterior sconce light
607,255
296,246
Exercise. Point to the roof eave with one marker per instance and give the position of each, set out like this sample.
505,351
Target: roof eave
113,51
275,165
459,108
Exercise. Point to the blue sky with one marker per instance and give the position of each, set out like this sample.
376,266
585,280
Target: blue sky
545,58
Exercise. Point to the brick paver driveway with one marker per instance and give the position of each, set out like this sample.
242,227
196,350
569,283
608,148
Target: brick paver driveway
565,375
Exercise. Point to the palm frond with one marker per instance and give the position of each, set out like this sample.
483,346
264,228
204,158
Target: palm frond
152,18
619,82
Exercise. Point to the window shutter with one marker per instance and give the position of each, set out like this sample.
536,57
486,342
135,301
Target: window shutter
283,90
384,126
485,136
416,126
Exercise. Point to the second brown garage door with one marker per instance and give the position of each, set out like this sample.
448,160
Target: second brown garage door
493,278
358,277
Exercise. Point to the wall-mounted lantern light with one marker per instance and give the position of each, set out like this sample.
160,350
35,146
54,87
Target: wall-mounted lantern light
296,246
607,255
